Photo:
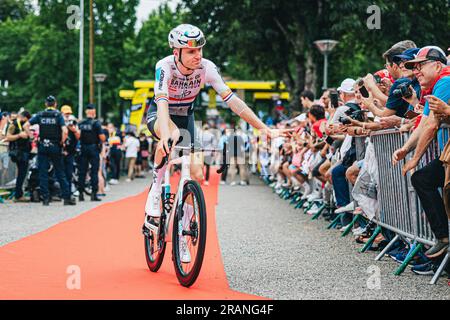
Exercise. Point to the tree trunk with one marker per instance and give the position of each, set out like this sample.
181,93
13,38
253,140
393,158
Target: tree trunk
311,72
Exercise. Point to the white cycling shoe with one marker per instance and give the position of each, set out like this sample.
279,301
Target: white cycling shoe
152,208
185,255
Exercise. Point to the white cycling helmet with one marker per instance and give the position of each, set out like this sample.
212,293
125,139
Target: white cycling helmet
186,36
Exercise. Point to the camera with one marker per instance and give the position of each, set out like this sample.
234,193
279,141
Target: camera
71,122
377,78
403,91
344,120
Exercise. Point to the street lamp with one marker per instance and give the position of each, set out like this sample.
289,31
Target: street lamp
100,78
325,47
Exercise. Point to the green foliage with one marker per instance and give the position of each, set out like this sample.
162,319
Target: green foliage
247,39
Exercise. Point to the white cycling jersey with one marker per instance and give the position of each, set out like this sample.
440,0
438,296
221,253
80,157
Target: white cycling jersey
180,90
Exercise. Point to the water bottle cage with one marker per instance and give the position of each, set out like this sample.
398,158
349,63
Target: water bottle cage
168,201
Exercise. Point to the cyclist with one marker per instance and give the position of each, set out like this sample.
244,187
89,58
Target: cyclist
179,78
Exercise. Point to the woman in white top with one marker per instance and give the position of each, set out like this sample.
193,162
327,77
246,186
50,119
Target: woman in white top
131,152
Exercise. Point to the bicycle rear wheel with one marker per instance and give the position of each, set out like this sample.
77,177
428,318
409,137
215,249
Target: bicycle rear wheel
194,234
154,252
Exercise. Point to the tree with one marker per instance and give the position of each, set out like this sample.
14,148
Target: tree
276,37
14,9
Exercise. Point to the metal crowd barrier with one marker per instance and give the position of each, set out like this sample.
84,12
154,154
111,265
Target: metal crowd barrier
393,192
400,208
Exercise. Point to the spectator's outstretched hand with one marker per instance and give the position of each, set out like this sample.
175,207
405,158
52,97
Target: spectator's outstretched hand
409,165
390,122
438,106
399,155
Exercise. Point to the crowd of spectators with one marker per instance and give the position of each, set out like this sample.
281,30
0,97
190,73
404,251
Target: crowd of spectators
320,160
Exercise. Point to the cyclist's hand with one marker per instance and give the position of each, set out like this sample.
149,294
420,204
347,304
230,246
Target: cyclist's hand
163,145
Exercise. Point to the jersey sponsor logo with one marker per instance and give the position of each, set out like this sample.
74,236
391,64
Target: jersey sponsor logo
160,78
190,84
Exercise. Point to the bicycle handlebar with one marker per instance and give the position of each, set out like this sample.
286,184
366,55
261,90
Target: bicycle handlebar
192,149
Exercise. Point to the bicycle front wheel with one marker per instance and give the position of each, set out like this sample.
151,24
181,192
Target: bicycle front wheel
189,233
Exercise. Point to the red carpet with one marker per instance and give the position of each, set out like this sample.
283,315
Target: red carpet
107,245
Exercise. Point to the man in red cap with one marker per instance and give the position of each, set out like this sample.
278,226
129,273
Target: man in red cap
431,70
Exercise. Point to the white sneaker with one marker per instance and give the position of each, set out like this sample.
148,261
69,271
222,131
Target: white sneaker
152,206
243,183
113,182
233,183
222,182
314,209
313,196
128,180
185,255
348,208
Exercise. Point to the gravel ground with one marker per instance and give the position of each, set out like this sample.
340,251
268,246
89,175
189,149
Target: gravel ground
19,220
272,250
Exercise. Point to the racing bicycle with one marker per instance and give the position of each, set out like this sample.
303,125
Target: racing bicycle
169,227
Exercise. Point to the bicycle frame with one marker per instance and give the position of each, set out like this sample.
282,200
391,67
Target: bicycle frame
185,176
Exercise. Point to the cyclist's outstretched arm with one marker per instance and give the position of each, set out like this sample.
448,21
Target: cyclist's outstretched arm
240,108
234,102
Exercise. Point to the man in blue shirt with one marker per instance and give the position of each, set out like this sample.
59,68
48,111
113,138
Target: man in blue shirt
431,71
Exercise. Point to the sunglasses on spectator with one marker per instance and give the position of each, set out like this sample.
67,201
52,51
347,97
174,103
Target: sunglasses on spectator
420,65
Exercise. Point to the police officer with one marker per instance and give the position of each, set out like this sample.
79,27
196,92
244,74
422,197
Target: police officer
91,138
52,134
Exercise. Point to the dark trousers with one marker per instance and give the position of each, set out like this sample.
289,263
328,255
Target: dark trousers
45,156
224,174
22,170
427,182
208,168
340,185
114,161
68,168
89,156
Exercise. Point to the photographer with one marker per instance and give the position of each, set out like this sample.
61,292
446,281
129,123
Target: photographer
70,145
18,136
404,91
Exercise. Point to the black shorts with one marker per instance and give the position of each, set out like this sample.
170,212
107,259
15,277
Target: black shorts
186,124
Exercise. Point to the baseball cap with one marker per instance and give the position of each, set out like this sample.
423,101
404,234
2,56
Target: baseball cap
90,106
302,117
407,55
427,53
66,109
347,86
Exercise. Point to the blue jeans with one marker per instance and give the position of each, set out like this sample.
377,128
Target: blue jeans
342,192
340,185
45,156
89,155
22,170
